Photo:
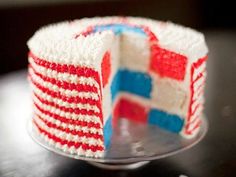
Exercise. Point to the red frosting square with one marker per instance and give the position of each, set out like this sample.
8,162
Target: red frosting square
167,63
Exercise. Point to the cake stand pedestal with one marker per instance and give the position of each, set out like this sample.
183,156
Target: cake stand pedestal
133,145
110,166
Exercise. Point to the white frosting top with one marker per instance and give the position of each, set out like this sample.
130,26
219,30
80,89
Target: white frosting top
57,42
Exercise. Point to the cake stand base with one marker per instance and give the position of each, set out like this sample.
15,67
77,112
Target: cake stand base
130,166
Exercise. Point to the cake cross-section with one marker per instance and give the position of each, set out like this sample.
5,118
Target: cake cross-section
86,74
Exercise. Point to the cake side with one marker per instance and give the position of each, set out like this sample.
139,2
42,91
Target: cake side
71,94
196,100
66,113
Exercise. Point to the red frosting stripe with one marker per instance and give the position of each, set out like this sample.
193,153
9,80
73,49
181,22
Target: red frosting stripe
85,33
200,76
196,108
68,143
200,62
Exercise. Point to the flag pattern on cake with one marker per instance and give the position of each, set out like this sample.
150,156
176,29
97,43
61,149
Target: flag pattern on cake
76,106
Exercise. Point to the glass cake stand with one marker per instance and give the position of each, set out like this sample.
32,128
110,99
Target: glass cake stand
133,145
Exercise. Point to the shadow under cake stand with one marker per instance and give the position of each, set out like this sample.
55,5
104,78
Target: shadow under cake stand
133,145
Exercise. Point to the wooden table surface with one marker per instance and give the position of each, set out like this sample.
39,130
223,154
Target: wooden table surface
215,156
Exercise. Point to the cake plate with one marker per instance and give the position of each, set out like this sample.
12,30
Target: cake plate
133,145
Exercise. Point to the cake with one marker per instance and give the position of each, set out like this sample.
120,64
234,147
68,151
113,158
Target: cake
86,74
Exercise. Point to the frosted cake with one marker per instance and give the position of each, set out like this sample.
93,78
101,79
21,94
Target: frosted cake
86,74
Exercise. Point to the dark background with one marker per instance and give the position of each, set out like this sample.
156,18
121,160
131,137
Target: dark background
20,20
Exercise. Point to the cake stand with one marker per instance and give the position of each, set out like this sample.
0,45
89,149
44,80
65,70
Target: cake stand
133,145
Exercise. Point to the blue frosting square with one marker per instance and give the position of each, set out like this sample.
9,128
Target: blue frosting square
119,28
107,132
134,82
115,85
164,120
